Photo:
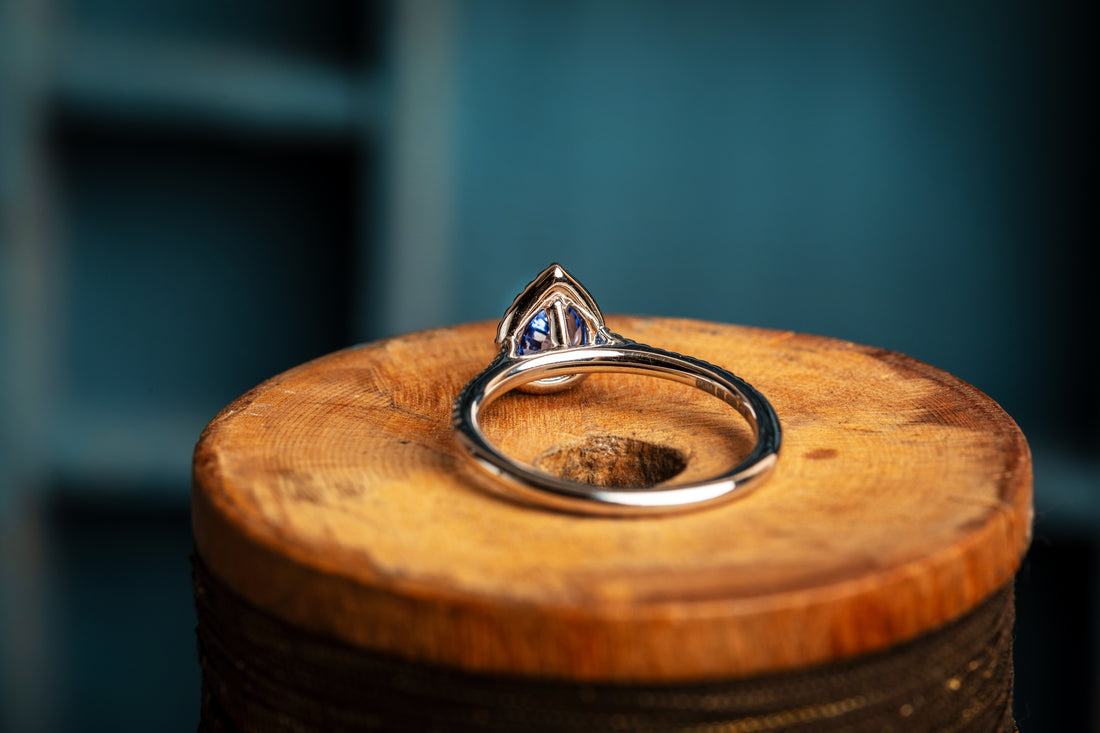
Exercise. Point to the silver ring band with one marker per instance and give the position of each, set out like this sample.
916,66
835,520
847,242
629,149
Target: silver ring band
575,342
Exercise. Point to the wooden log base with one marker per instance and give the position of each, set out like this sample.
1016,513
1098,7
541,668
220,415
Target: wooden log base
262,675
335,498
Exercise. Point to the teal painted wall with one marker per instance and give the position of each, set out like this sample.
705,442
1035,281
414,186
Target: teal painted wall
889,174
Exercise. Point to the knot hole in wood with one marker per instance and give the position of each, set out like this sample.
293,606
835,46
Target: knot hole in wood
611,460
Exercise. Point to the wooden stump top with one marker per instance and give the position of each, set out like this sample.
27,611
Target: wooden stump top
335,496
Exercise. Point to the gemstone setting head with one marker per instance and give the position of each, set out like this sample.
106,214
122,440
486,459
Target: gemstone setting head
553,312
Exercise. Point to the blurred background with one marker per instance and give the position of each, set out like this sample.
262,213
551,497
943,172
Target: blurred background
197,195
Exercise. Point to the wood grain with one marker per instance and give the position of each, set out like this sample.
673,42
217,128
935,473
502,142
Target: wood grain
335,496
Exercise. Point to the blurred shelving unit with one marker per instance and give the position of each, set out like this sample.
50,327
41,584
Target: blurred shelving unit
211,177
140,81
192,198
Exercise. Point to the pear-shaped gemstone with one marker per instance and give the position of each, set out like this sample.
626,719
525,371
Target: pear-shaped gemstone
536,336
576,331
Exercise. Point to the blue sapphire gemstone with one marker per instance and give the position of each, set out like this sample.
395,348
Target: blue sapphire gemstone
575,329
536,336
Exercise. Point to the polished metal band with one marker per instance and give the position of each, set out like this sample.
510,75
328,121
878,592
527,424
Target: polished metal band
556,364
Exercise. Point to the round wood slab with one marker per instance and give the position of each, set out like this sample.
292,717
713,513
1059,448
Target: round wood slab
335,497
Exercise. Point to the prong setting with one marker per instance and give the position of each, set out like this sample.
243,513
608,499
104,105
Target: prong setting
553,312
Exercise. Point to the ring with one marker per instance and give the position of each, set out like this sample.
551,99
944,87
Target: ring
554,335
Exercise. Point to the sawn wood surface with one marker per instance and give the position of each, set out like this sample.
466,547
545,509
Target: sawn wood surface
336,497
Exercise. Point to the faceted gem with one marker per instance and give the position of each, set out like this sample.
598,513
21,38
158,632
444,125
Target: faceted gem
575,329
536,336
